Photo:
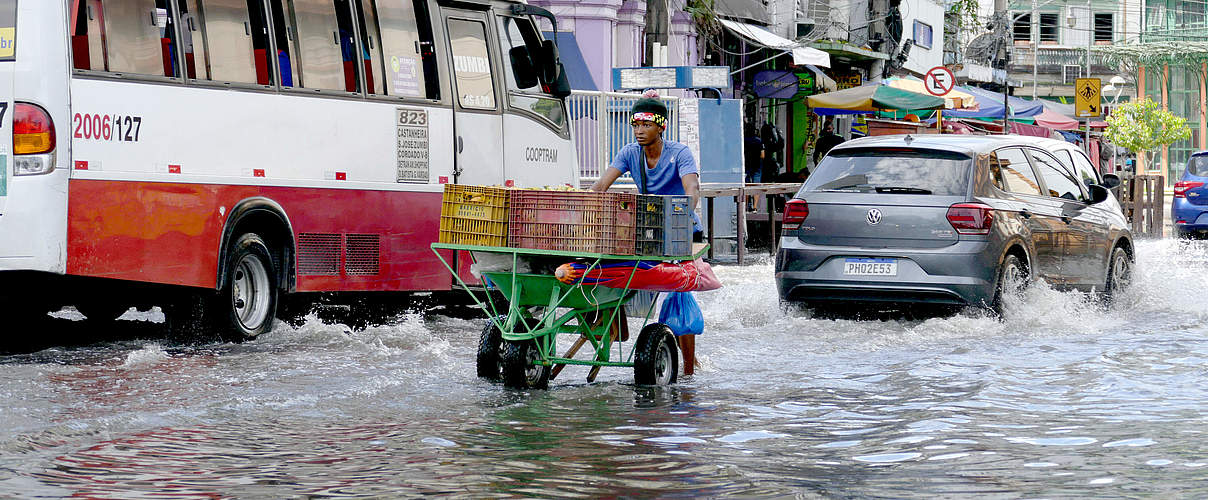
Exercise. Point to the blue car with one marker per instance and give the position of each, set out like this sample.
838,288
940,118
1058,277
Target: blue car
1189,207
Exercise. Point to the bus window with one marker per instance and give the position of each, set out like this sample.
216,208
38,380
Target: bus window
371,42
517,32
471,64
407,56
227,43
319,35
134,37
87,38
190,29
520,32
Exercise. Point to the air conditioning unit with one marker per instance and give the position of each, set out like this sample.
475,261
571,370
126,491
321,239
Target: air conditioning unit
1070,73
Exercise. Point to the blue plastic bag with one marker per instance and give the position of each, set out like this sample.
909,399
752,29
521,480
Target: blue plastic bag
681,312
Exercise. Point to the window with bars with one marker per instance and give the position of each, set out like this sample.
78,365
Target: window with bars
1022,28
1049,28
1104,27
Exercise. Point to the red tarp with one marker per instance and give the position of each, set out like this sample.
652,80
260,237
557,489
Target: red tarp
1032,130
1052,119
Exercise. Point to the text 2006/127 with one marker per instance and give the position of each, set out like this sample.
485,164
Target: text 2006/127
115,128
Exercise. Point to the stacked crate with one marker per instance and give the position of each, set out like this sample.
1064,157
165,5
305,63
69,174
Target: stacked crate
474,215
572,221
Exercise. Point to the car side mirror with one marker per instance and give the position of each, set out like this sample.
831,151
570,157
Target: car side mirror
1110,181
1098,194
522,67
561,86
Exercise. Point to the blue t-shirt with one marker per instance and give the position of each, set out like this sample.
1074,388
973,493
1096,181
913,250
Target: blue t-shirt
665,178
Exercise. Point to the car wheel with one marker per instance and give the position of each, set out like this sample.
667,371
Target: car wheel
655,360
522,368
1012,280
1119,274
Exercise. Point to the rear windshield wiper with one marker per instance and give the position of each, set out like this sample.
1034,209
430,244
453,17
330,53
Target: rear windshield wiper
902,189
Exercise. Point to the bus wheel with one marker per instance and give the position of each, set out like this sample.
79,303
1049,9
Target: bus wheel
247,303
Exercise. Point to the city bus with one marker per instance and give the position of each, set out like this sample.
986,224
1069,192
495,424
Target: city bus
219,157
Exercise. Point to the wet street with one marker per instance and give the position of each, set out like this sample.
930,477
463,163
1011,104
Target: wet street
1060,399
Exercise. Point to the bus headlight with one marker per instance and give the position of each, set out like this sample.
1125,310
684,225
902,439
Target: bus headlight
33,164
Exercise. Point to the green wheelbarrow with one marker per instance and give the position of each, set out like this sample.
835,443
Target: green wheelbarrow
529,312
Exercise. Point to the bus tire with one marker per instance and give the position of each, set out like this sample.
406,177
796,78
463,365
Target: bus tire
655,360
247,303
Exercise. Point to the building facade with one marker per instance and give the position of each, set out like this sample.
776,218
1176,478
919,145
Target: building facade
1178,84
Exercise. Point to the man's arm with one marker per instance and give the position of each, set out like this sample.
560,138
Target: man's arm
692,189
610,175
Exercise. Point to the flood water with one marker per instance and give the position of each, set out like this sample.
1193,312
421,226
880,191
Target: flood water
1061,399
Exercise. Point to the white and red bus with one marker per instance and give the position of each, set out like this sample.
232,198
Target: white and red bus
214,156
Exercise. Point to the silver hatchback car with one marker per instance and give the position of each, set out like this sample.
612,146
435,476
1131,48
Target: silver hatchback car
947,220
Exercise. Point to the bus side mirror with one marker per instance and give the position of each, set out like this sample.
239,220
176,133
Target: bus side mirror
549,65
522,67
561,87
1110,181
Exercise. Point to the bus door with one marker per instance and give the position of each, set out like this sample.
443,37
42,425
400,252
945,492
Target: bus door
477,117
8,58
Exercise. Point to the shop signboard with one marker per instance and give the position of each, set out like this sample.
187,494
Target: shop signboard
848,80
775,84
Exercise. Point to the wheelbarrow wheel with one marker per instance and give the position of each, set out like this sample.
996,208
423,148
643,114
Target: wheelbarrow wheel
489,360
655,358
522,368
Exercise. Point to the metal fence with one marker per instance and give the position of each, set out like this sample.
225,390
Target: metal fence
600,127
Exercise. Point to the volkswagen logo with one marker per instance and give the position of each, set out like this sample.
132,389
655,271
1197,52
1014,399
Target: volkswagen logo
874,217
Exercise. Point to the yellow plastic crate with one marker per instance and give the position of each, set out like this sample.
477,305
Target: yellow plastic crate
474,215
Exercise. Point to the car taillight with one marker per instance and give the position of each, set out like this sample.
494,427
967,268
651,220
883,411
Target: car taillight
33,130
1181,187
795,212
971,218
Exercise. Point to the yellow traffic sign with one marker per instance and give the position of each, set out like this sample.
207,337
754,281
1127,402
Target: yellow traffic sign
1086,97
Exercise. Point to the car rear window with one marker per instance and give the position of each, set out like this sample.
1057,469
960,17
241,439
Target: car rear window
1198,165
898,171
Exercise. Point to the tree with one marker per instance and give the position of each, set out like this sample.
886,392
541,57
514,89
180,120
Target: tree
1143,127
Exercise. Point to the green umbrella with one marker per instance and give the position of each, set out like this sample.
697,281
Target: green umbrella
874,98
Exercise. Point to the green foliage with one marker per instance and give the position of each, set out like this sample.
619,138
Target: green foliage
705,17
1142,126
966,9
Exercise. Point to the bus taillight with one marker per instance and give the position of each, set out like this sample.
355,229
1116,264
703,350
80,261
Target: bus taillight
33,130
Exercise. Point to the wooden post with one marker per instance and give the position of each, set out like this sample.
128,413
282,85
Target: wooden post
709,216
772,221
740,202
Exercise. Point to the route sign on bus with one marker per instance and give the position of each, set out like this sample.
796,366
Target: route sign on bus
939,81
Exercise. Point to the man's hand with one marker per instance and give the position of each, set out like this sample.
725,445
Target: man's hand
606,179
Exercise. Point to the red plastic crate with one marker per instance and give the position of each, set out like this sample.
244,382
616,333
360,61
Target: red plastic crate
572,221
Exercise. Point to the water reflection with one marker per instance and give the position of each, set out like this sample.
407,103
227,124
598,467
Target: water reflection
1061,399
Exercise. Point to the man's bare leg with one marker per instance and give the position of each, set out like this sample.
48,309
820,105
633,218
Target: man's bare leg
687,345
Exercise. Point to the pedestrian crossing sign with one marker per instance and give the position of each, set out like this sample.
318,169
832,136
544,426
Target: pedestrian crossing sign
1086,97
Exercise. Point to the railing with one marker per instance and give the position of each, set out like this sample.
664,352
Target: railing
1053,56
599,123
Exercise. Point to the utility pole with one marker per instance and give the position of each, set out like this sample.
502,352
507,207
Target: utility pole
1004,21
1034,38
